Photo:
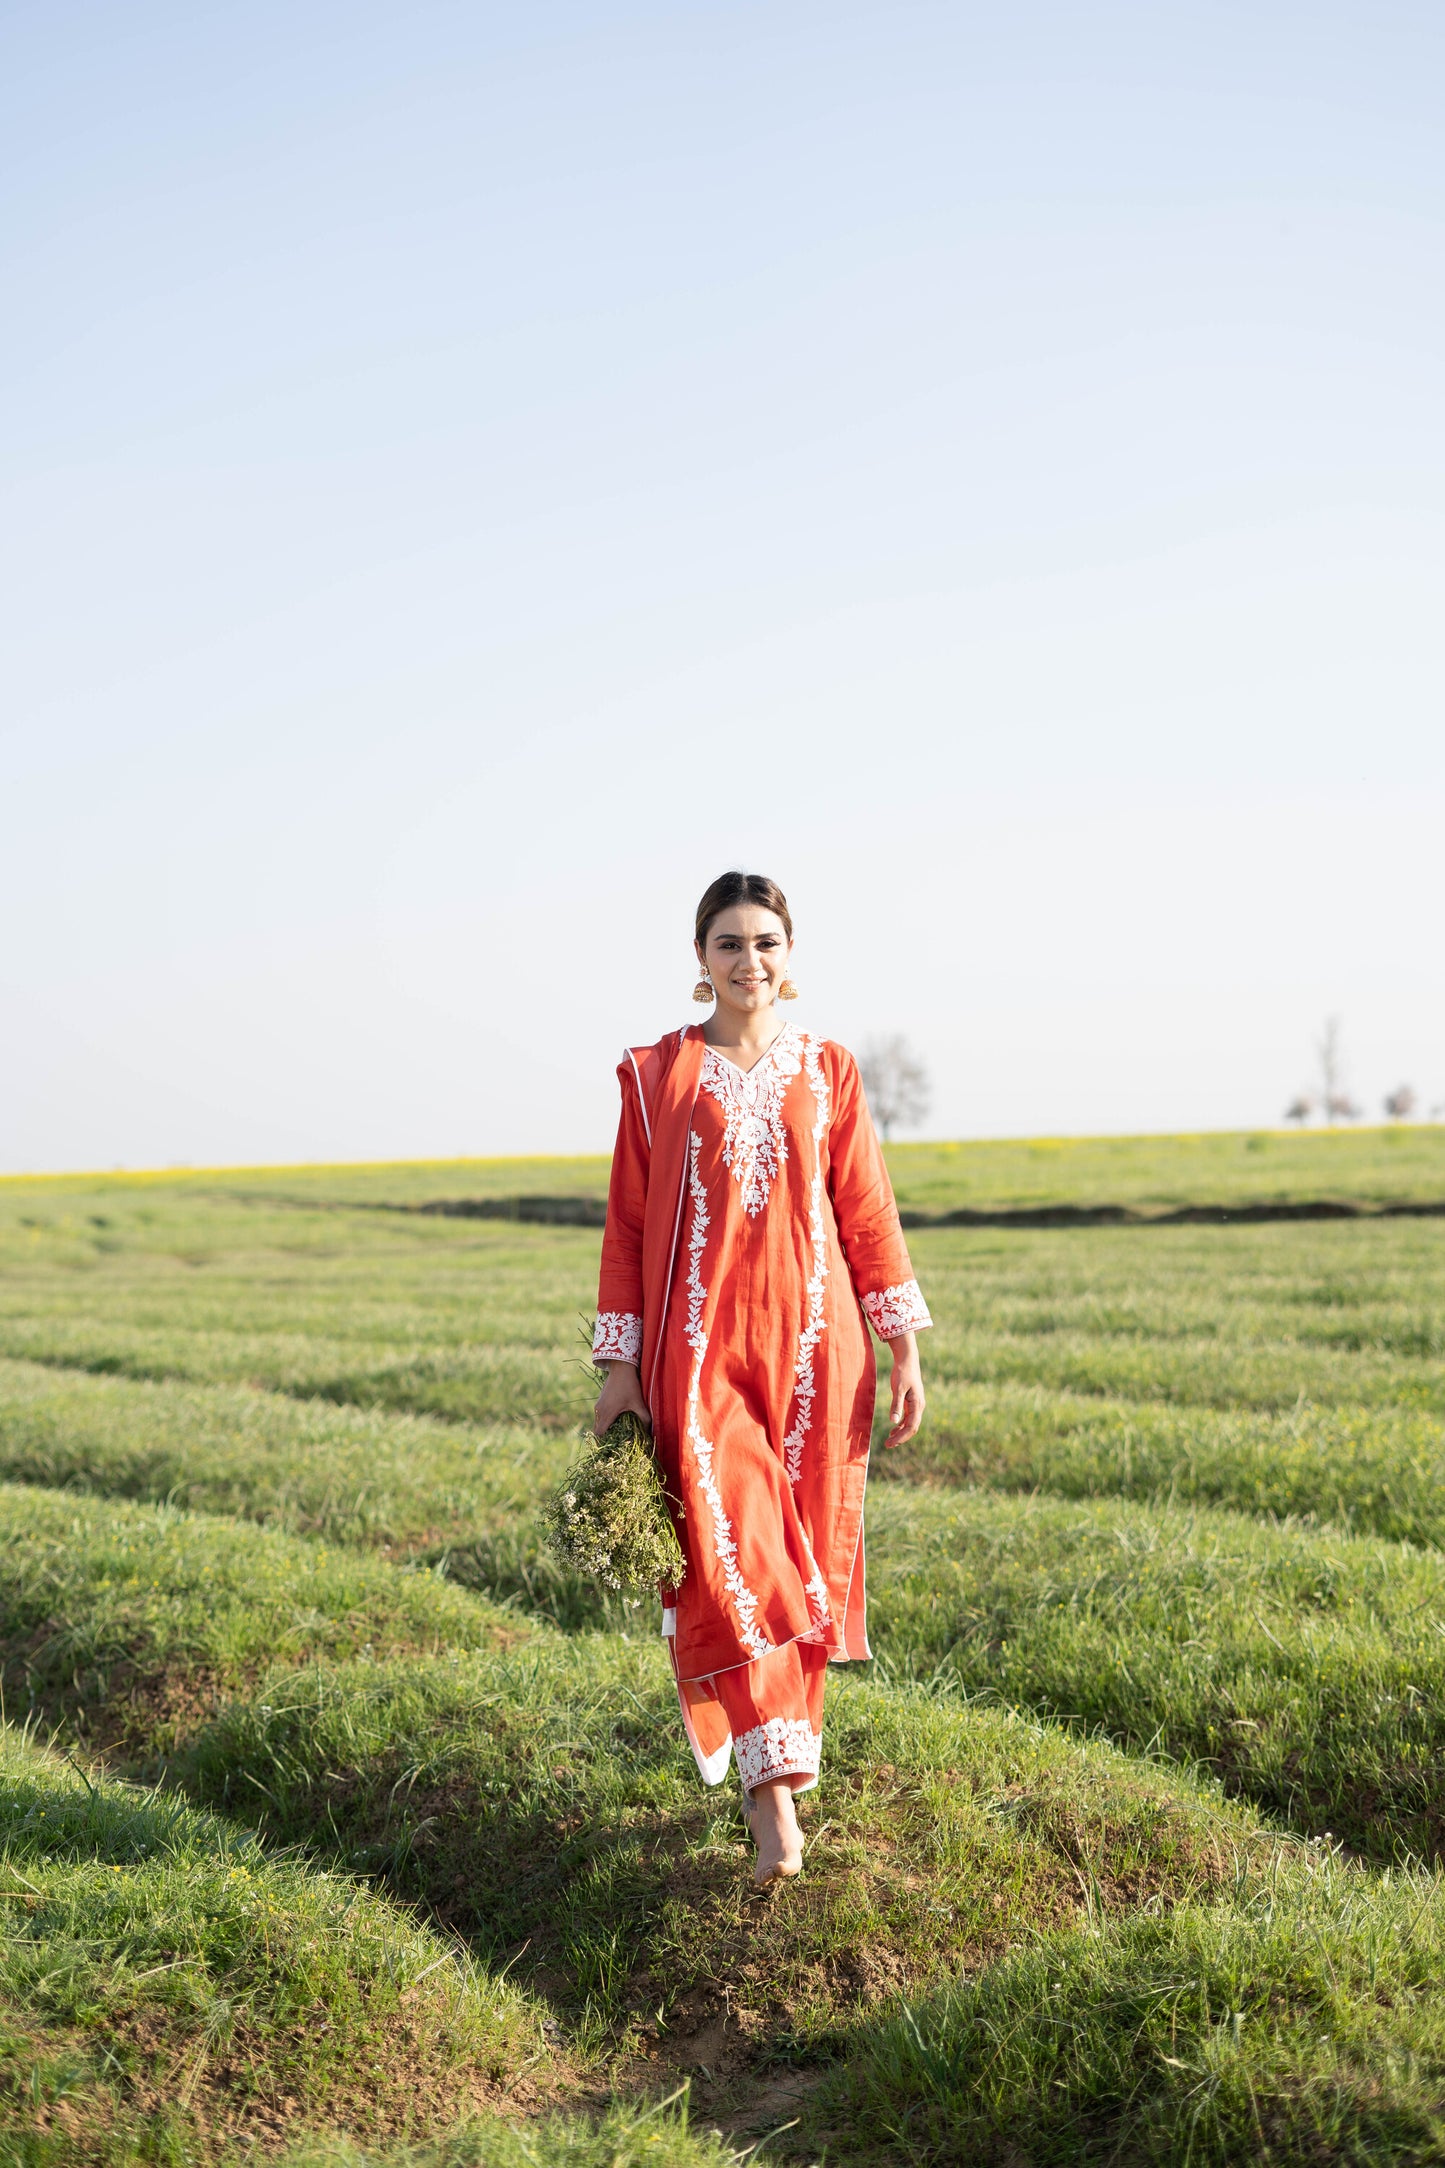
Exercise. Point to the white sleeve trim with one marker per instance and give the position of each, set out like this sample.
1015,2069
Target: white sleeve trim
617,1337
894,1310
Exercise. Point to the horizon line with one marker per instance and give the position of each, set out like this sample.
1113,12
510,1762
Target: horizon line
497,1159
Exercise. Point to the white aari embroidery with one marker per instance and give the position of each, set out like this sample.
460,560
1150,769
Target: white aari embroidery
617,1337
804,1383
755,1142
892,1310
784,1746
749,1632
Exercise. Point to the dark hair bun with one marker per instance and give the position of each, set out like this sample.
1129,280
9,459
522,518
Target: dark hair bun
732,888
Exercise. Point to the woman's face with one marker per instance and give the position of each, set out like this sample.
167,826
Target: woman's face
746,956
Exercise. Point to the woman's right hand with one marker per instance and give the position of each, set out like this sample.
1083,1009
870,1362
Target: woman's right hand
621,1395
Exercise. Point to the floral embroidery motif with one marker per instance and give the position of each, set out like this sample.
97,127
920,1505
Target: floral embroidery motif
817,1595
784,1746
617,1337
749,1632
892,1310
755,1142
804,1383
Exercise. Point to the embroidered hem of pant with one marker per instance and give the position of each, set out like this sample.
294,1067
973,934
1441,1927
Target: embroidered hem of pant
784,1746
768,1712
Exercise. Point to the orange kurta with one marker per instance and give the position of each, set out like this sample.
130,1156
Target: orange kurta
750,1227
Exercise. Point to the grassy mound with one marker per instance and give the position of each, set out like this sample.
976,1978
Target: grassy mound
1305,1666
456,1384
1134,1368
352,1475
658,2137
463,1497
544,1802
1243,1318
1303,2024
1380,1470
471,1321
161,1979
131,1621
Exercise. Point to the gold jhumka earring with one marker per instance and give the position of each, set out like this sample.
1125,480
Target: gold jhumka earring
787,991
704,989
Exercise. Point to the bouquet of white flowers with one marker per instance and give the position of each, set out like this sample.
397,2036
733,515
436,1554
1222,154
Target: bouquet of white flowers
610,1520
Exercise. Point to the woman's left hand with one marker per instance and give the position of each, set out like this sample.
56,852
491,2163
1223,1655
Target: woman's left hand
905,1412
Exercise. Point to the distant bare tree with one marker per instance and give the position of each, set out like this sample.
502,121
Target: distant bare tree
1300,1108
896,1083
1327,1052
1335,1101
1401,1103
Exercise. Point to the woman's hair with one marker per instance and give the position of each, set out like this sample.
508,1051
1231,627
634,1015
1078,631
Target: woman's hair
731,888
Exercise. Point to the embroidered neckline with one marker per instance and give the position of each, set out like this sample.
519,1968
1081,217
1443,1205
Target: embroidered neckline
755,1138
789,1031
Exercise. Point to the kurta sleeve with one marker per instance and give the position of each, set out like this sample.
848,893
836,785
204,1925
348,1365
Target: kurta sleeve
867,1216
617,1336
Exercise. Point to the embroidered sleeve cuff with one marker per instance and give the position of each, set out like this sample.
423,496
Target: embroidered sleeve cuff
893,1310
617,1337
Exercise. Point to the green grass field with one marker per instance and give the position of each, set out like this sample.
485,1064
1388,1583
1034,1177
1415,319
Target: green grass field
342,1827
1217,1167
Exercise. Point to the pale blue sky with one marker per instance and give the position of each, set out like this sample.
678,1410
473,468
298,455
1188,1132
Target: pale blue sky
472,473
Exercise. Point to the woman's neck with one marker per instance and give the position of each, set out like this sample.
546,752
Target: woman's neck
749,1032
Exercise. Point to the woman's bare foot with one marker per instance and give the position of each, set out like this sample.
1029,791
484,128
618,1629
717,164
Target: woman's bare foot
774,1826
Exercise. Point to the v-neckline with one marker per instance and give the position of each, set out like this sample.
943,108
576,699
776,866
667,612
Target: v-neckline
766,1054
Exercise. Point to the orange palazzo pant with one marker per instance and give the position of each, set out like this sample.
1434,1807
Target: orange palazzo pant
769,1713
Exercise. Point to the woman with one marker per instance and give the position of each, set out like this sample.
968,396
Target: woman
750,1229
